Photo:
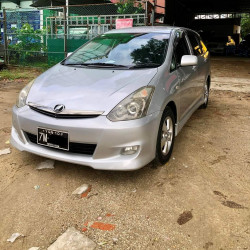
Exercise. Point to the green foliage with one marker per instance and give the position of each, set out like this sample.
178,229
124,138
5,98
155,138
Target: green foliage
29,47
245,25
15,73
10,75
29,40
127,7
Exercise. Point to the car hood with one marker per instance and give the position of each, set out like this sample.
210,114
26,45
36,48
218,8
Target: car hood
87,89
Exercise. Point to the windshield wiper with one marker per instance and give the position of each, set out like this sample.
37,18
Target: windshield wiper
107,65
75,64
145,65
111,65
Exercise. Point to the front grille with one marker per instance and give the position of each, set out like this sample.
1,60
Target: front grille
63,116
74,147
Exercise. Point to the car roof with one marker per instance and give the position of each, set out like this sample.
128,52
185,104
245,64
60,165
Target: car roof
144,29
149,29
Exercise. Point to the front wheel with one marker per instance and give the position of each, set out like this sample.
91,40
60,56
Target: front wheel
206,96
165,139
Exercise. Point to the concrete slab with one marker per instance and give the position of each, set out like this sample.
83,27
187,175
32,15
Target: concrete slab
74,240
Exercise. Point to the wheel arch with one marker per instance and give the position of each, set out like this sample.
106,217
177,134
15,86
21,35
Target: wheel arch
173,107
208,81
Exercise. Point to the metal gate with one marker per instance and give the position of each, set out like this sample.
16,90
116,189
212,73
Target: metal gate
43,37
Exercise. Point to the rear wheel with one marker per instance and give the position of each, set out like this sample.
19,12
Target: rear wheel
165,139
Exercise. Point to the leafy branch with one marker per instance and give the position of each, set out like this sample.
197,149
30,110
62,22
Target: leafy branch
28,39
127,7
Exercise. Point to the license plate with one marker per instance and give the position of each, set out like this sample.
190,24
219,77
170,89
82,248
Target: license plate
53,138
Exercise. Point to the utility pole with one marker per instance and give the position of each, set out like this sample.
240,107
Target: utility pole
153,13
65,30
67,9
67,12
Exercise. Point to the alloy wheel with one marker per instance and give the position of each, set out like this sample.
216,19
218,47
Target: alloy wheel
206,93
167,135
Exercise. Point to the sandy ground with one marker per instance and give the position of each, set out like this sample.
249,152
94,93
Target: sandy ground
234,75
199,200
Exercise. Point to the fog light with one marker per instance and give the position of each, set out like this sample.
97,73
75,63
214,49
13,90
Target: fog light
129,150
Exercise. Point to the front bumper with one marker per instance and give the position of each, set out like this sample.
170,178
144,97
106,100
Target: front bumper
110,138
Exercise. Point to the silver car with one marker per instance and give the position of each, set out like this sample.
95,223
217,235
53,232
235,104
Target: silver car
117,102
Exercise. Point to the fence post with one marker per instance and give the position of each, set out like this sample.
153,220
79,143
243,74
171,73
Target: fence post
99,25
5,36
65,31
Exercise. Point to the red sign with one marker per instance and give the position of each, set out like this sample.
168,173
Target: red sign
124,23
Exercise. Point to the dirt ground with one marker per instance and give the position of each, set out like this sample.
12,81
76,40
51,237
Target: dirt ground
199,200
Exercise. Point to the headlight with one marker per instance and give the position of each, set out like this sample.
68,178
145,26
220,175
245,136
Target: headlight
132,107
21,99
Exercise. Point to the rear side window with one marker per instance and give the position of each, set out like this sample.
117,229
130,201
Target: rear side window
181,48
195,43
204,48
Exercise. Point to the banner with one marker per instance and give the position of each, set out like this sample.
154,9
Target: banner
124,23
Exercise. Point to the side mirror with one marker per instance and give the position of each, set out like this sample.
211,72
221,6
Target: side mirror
69,54
189,60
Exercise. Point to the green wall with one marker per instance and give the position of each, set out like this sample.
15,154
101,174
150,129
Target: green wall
56,48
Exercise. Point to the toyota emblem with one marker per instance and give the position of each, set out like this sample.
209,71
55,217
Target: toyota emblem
59,108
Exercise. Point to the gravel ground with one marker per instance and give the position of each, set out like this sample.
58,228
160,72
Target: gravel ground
199,200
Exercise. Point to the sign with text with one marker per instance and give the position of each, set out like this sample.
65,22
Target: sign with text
124,23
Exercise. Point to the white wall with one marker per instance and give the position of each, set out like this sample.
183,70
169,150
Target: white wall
9,5
23,4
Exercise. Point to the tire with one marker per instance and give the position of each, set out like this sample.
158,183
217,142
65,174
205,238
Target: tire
165,144
206,96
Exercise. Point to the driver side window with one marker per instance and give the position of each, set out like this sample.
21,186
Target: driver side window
181,48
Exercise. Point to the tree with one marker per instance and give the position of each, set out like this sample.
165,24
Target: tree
127,7
26,45
28,39
245,25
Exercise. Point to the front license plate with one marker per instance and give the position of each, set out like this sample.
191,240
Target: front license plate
53,138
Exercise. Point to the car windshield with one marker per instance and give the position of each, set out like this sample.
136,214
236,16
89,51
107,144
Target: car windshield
122,50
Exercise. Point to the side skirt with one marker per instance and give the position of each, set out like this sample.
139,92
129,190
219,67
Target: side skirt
180,125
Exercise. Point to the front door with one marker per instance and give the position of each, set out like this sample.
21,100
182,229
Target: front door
188,76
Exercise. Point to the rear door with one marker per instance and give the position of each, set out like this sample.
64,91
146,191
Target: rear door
200,68
205,63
